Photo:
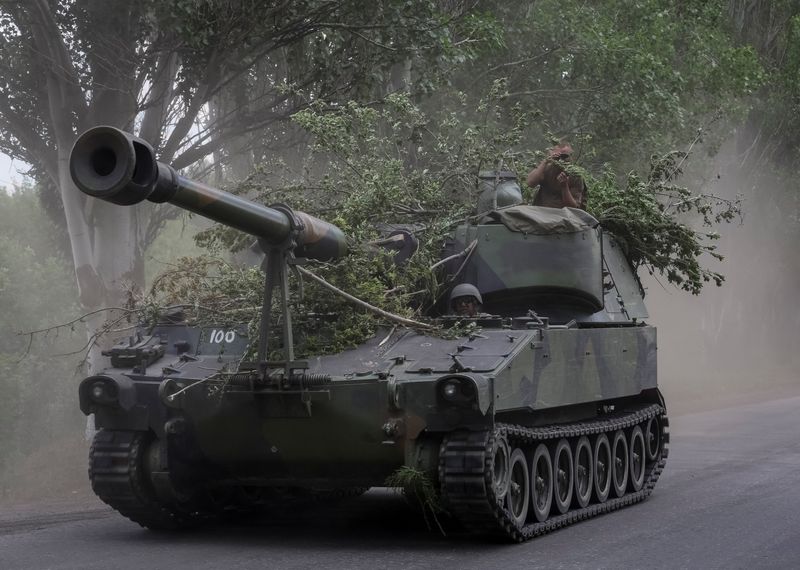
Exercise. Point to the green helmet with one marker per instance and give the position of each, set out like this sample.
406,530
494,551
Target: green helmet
465,290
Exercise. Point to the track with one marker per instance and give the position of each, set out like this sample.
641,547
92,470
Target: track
727,500
119,475
466,472
116,470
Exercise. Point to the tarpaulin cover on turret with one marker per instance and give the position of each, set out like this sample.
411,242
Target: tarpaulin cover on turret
538,220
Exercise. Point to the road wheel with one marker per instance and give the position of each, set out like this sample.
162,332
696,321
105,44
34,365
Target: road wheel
636,449
500,468
602,468
583,472
519,486
619,462
563,476
542,483
652,438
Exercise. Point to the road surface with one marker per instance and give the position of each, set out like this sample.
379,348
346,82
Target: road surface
729,498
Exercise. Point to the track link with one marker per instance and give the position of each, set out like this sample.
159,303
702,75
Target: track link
465,473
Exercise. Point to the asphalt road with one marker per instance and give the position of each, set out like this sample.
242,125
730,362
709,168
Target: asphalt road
729,498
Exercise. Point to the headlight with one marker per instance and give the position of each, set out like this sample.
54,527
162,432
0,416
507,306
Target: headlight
106,389
450,390
98,391
104,392
456,390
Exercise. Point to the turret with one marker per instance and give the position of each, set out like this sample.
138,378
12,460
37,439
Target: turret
557,262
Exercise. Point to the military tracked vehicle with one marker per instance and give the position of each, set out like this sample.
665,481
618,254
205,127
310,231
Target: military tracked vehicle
542,411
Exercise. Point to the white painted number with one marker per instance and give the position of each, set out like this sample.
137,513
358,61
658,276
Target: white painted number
217,336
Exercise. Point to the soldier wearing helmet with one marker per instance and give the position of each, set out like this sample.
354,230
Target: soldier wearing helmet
465,300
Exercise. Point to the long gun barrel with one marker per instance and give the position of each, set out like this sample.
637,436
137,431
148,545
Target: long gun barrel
115,166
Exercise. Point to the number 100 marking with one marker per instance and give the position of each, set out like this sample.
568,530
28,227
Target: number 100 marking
218,336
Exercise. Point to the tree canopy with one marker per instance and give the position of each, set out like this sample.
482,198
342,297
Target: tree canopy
311,92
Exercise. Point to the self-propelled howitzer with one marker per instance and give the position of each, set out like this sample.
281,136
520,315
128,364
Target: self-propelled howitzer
543,412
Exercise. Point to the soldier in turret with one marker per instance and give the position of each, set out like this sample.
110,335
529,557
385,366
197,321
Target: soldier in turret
557,189
465,300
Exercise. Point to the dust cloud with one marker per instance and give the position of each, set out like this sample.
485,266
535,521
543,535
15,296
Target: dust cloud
738,342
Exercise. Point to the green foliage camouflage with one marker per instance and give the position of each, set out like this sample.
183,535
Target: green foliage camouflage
654,219
396,165
418,488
